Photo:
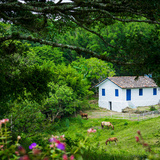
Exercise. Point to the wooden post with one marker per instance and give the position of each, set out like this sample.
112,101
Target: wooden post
153,114
129,115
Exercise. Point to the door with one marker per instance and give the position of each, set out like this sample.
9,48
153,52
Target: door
128,94
110,105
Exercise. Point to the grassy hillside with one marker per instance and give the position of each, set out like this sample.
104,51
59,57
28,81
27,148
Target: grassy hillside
75,129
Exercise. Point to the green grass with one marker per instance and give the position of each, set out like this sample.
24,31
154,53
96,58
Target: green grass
125,131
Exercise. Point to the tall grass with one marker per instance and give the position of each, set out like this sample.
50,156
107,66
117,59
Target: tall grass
125,131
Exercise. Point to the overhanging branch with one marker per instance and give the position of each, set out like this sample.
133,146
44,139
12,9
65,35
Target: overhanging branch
71,47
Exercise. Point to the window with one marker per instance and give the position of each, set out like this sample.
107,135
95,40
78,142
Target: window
116,93
103,92
140,92
154,91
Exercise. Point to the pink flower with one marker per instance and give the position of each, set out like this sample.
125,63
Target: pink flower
71,157
137,139
25,157
6,120
65,157
139,132
36,151
21,150
1,146
17,153
145,145
62,137
3,121
51,145
91,130
56,137
52,140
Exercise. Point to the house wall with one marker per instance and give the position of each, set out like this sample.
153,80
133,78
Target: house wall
104,101
119,103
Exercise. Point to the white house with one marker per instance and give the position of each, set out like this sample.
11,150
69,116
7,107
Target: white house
117,93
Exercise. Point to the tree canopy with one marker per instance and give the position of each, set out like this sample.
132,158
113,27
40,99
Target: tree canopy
35,16
45,21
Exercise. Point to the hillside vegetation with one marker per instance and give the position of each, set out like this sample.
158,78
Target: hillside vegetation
75,129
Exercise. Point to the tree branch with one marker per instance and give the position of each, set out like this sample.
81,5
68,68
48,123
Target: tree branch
53,44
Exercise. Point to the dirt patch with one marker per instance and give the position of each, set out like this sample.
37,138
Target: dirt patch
93,102
101,113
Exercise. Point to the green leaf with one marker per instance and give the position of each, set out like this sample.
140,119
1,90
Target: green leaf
78,157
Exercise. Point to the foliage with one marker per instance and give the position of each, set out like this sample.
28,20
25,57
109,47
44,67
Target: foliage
67,92
19,76
93,69
134,49
47,53
126,147
69,76
57,148
152,108
60,101
26,118
92,146
54,150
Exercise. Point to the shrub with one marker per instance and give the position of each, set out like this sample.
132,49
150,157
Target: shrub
126,123
112,132
56,148
152,108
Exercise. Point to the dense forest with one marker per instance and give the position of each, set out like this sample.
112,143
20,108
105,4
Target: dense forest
52,54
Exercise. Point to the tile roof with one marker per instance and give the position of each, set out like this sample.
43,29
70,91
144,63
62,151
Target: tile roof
132,82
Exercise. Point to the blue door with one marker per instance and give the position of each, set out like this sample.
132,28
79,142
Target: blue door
128,94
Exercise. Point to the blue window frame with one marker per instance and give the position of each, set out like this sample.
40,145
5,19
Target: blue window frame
140,92
154,91
116,93
103,92
128,94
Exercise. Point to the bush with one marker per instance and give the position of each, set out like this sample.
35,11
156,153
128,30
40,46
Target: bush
54,149
112,132
152,108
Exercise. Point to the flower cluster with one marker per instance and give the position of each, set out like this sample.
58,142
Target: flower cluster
4,134
91,130
57,142
56,149
3,121
140,140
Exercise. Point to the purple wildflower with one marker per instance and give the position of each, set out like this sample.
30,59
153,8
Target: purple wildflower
33,145
52,140
61,146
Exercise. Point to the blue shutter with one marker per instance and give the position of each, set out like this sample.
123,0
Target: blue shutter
140,92
103,92
116,93
154,91
128,94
